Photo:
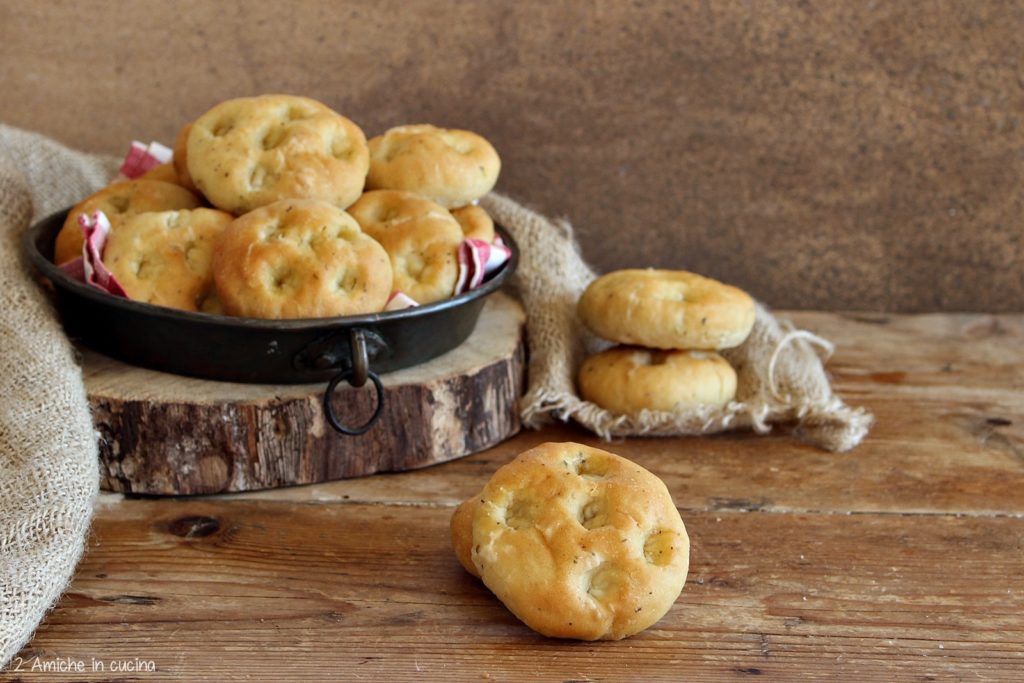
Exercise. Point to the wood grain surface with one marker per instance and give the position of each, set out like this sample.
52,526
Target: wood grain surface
297,592
822,154
899,561
947,392
163,434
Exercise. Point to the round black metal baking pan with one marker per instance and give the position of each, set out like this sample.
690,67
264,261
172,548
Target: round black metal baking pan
258,351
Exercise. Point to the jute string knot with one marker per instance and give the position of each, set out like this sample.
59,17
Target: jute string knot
791,336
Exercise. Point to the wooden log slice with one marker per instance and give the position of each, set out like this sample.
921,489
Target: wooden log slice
163,434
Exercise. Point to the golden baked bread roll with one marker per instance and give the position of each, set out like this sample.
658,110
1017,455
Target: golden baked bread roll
299,258
421,238
162,172
476,223
249,152
629,379
448,166
180,158
666,309
163,258
462,534
119,201
577,542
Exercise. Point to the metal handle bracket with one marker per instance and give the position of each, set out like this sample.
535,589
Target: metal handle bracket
356,374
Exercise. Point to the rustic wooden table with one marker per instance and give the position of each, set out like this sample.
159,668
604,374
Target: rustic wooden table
902,560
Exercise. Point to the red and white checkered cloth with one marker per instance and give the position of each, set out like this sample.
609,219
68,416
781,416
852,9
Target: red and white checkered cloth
89,267
398,301
477,260
142,157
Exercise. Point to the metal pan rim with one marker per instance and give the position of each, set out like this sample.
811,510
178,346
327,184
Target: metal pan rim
50,270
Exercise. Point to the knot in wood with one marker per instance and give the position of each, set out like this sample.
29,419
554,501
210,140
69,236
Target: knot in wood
194,526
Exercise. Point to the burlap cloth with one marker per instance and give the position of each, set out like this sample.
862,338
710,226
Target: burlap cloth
49,473
48,457
780,377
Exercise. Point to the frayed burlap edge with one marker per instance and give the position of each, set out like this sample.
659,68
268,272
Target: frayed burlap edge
49,472
780,376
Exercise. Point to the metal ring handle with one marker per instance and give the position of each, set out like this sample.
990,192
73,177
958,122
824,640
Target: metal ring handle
360,362
329,410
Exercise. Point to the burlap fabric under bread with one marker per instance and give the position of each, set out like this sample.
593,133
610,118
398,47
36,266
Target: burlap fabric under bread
48,468
780,377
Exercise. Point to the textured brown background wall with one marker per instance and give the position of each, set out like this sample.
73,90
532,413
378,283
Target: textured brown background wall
847,154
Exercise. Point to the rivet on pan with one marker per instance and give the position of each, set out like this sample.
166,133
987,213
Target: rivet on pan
324,361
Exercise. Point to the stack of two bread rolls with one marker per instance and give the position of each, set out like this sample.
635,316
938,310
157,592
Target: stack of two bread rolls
670,325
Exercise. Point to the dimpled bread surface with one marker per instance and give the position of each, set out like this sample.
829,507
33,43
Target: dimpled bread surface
448,166
249,152
627,380
579,543
421,238
163,258
300,258
119,201
666,309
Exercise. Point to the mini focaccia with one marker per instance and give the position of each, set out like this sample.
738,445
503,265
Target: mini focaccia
448,166
475,222
666,309
252,151
577,542
180,158
118,202
163,258
629,379
163,172
421,238
299,258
